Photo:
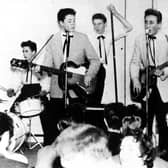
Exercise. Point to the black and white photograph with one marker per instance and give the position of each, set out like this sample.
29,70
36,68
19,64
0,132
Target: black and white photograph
84,83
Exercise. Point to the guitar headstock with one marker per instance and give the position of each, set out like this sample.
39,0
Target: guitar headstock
19,63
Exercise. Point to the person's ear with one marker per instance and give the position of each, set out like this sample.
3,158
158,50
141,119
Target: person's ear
34,52
61,23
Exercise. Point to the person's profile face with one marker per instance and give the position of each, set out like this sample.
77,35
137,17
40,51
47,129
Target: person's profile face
69,23
152,24
27,53
99,26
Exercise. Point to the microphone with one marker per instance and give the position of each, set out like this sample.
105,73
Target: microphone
147,31
147,36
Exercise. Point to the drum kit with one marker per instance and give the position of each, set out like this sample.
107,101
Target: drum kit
28,108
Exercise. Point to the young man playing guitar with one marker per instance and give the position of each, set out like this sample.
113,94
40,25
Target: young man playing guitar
58,52
151,50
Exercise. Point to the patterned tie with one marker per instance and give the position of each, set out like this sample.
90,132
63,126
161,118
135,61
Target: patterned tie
100,47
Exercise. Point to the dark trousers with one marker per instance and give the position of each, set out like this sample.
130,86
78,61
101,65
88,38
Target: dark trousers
55,112
50,117
157,108
95,98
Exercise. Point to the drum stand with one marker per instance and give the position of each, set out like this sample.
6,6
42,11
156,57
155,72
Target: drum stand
31,135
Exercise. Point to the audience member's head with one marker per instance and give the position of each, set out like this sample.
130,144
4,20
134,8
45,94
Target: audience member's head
77,112
113,114
137,146
80,145
134,117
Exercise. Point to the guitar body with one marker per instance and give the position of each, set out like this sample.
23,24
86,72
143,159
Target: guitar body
75,78
152,79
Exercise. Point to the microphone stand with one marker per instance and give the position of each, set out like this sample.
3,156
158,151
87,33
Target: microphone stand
147,84
114,59
66,101
147,90
41,48
30,62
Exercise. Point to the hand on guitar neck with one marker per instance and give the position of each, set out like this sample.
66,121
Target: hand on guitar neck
161,74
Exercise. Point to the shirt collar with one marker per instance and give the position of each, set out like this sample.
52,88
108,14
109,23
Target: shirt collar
63,33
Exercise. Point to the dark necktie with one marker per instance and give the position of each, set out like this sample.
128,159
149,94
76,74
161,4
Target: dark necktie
67,38
29,74
152,37
100,47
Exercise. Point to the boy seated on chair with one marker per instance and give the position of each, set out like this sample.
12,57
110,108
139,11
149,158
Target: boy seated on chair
9,158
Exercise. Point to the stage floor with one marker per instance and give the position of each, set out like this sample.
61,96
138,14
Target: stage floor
31,154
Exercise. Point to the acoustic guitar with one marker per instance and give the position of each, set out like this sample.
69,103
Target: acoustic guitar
75,75
152,80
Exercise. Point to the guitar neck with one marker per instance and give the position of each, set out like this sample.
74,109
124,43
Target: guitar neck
159,67
78,70
54,71
162,65
50,70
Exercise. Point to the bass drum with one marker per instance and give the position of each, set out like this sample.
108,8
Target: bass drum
19,134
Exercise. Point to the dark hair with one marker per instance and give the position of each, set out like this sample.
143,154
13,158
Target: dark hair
113,114
62,13
76,112
6,124
99,16
154,12
31,44
134,110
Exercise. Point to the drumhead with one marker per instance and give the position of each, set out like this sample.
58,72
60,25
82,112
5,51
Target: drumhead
30,107
19,134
